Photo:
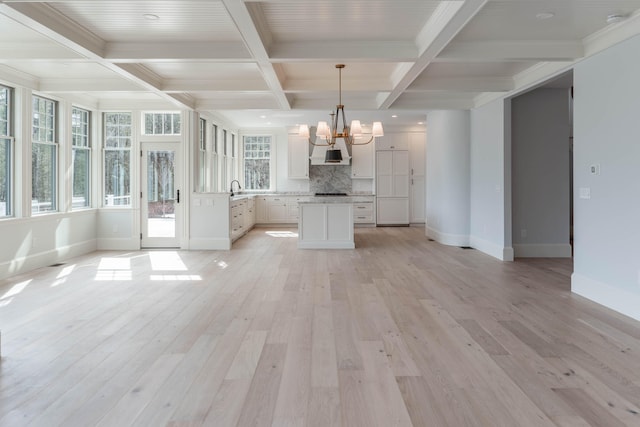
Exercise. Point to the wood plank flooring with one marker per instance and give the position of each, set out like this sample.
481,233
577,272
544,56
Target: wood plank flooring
401,331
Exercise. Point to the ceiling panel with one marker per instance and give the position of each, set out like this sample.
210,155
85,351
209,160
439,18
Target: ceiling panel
182,20
477,69
518,19
208,70
341,20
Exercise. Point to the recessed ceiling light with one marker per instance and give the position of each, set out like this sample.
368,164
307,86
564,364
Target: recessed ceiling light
263,117
420,123
150,17
614,18
545,15
394,116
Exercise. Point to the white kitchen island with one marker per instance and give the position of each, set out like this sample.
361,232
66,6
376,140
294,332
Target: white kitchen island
326,223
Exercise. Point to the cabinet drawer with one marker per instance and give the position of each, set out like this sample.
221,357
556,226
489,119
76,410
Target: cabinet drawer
362,218
362,208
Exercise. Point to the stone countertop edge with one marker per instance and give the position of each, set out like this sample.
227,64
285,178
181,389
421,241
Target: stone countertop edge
336,199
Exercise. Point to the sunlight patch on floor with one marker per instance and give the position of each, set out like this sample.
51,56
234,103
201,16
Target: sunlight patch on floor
166,261
282,234
171,277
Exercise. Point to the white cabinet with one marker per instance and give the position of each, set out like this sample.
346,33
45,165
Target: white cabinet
362,160
298,159
363,213
417,143
392,187
393,141
393,210
250,214
392,173
237,213
326,226
277,209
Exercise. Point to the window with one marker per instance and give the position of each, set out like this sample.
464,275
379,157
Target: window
202,157
81,158
214,158
234,153
43,156
6,153
162,123
224,178
257,162
117,159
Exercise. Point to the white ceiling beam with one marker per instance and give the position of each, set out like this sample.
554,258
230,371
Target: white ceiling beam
462,84
167,52
18,77
258,103
323,85
37,52
214,85
378,51
257,42
501,51
435,101
71,85
57,27
439,30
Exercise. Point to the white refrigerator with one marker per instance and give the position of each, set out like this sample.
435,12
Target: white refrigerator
392,187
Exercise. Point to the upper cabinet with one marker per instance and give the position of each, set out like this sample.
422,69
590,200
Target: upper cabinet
393,141
298,159
363,161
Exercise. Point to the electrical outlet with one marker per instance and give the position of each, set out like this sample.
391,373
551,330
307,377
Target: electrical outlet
585,192
594,169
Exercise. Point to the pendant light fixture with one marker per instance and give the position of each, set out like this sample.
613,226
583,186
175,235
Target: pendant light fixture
339,129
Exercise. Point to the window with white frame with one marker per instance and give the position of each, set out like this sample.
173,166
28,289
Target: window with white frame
162,123
6,152
117,159
224,180
234,155
214,158
257,162
202,157
44,153
81,158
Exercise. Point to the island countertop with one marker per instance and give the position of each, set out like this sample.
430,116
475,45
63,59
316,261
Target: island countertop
336,199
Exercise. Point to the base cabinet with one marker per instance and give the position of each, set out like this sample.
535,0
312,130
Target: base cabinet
393,210
277,209
326,226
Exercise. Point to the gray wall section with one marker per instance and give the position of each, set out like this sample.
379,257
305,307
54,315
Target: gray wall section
540,172
607,132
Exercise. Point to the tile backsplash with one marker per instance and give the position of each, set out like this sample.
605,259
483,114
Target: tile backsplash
330,179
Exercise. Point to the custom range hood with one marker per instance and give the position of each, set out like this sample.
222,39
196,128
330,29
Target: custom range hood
322,155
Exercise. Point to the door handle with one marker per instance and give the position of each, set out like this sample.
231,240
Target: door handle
178,197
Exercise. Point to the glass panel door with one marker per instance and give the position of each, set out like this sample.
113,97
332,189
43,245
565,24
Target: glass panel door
160,204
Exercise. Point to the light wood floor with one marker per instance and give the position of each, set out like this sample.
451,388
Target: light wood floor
401,331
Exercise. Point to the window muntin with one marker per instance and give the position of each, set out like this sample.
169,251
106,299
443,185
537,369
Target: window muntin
117,159
81,158
6,153
44,153
257,162
162,123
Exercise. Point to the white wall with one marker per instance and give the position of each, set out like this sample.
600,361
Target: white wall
447,206
540,173
490,215
29,243
606,132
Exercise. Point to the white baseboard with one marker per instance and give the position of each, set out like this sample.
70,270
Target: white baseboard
118,244
212,244
536,250
503,253
620,300
42,259
447,239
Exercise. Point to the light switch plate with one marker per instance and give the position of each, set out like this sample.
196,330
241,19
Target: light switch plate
594,169
585,193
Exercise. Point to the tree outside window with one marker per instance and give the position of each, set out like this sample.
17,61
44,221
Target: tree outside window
81,158
44,150
117,159
6,153
257,162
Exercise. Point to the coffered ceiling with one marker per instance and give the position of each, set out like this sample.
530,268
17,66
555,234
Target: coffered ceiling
272,62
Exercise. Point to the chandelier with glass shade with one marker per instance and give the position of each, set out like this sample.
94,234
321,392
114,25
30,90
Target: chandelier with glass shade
351,135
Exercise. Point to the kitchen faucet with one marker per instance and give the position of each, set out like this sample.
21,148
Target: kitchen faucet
239,188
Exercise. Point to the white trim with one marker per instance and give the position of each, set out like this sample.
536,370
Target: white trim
609,296
490,248
542,250
214,243
118,244
447,239
42,259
